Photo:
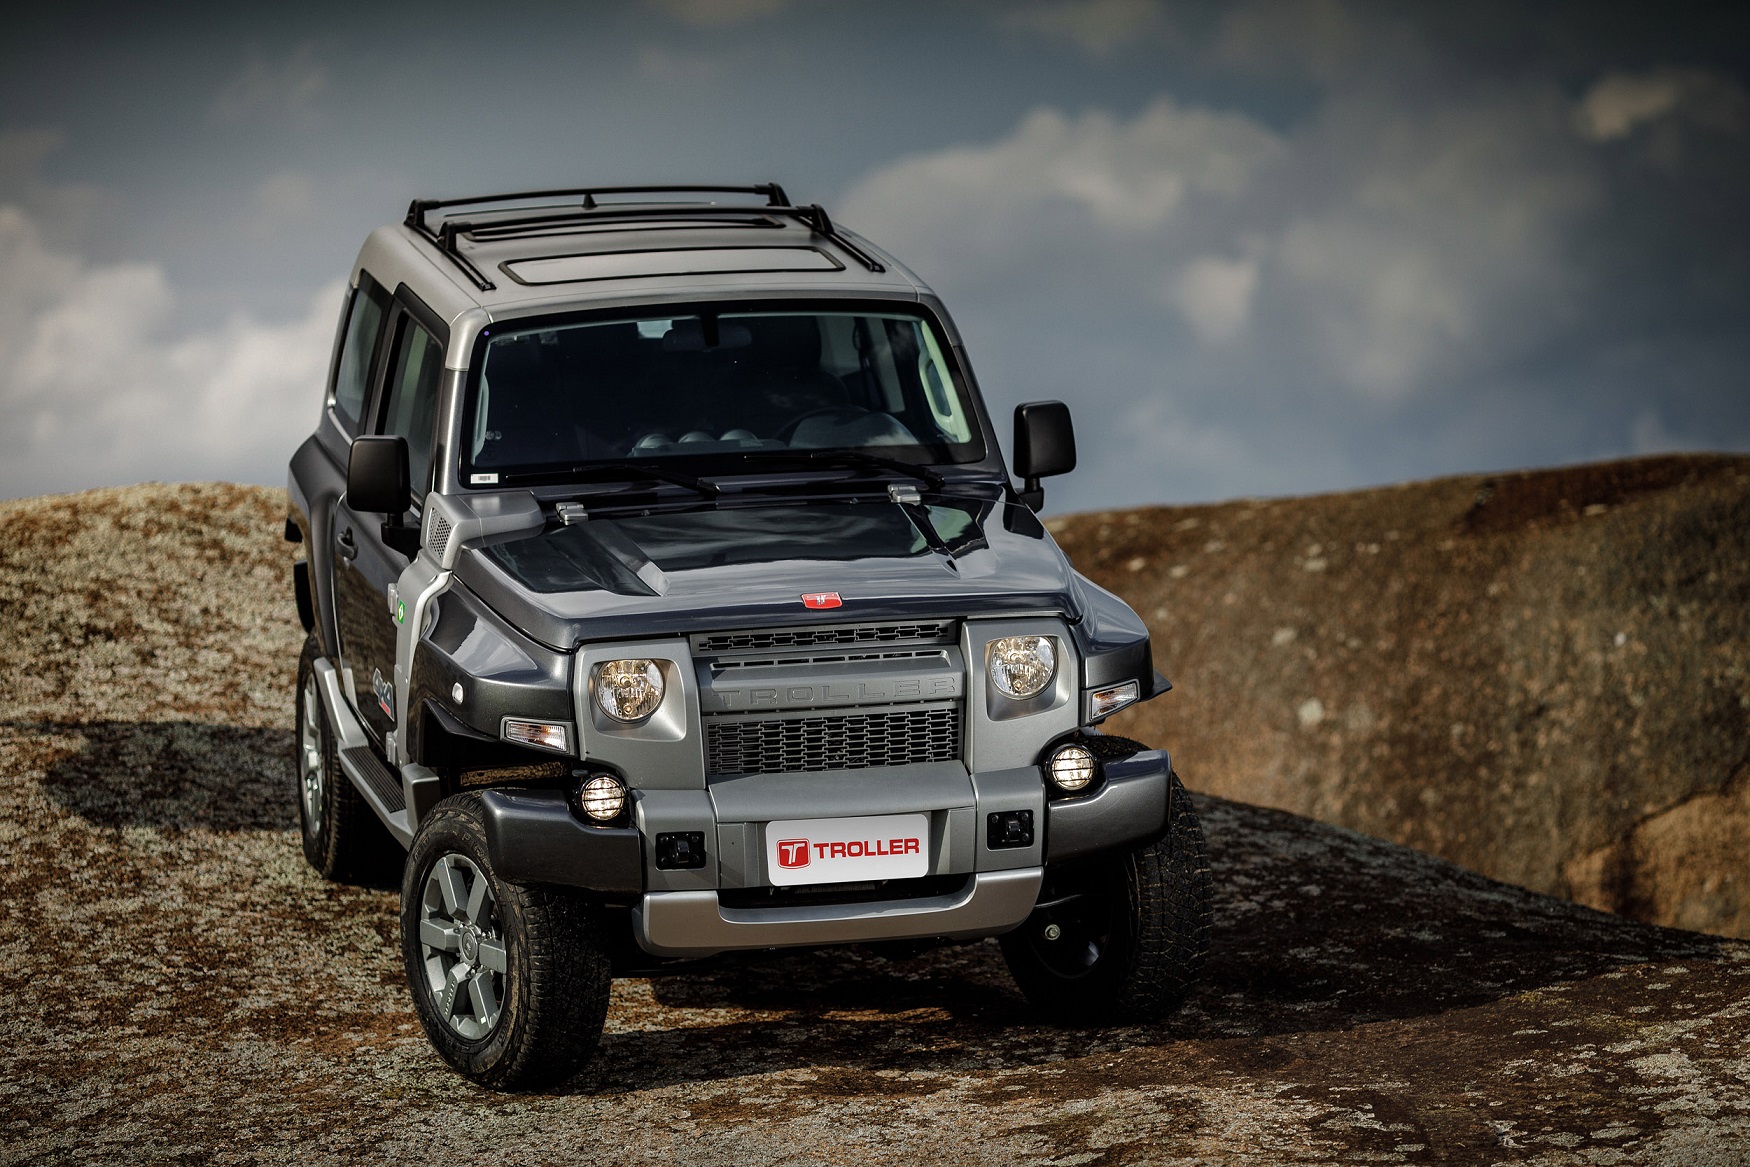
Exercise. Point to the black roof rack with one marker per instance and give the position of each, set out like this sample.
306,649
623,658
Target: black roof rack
588,210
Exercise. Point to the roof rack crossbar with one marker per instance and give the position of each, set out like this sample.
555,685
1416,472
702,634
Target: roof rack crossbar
571,217
814,215
773,193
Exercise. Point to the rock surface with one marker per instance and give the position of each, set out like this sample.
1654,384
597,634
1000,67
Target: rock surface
182,987
1542,676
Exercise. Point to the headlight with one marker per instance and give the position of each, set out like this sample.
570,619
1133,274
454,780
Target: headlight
602,798
628,690
1071,767
1021,666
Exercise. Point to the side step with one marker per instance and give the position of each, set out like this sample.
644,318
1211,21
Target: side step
369,774
382,789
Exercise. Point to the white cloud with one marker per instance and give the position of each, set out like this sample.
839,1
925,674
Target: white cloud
268,91
96,389
1215,295
1130,176
1098,27
1618,104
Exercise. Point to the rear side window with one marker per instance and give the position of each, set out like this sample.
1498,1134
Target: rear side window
364,324
411,409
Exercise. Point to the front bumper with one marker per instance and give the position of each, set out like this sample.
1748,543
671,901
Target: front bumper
1129,810
694,923
532,837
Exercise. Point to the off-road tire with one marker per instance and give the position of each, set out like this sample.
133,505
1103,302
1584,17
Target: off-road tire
343,840
556,977
1133,943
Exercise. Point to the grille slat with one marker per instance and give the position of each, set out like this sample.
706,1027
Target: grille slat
761,639
839,741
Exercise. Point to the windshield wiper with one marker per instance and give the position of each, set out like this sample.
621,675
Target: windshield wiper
628,469
849,459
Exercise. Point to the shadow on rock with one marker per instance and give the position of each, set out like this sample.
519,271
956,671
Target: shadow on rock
172,775
1317,929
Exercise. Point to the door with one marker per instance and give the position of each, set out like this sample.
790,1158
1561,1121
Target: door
365,570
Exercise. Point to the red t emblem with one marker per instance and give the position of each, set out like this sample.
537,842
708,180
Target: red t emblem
793,853
821,600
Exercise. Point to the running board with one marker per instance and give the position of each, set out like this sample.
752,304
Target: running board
382,791
379,790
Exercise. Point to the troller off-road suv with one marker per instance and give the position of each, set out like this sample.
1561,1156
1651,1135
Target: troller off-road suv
668,596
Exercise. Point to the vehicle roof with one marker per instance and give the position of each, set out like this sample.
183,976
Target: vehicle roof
546,255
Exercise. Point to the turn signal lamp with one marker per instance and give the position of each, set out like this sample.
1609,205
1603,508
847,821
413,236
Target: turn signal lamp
543,735
1105,702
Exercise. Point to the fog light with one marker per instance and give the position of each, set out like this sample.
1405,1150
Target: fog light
1021,666
543,735
602,798
1071,767
628,690
1107,701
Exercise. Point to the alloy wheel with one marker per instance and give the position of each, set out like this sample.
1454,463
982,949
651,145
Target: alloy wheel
311,763
462,944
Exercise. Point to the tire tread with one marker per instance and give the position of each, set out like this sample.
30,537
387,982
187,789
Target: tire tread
559,1003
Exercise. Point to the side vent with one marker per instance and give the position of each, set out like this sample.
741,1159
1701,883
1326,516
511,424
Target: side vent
437,535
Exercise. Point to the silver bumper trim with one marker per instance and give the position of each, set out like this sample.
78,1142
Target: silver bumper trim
693,923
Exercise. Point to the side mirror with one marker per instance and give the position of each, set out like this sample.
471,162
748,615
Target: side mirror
377,475
1045,444
378,479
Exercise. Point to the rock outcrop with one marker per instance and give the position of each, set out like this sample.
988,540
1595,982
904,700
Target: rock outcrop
1542,676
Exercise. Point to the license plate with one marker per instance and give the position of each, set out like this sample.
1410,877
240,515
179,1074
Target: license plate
893,846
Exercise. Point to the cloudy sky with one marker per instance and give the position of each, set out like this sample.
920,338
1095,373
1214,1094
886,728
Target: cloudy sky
1261,248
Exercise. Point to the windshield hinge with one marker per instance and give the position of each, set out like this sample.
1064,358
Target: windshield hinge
905,493
571,513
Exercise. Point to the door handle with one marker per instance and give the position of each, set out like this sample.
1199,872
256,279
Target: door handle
345,547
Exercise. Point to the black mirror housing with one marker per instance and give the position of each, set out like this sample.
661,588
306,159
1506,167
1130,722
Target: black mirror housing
378,479
1045,444
377,475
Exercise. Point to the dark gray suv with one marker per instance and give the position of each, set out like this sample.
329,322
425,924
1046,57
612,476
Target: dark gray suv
667,596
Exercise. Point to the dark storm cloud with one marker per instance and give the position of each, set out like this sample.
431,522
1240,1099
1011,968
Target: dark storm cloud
1260,248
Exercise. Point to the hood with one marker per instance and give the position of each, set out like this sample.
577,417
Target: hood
748,566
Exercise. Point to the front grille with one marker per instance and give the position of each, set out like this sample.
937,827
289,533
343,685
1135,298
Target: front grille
760,639
839,741
827,658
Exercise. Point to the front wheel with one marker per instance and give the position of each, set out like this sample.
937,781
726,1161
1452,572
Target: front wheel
510,982
1120,939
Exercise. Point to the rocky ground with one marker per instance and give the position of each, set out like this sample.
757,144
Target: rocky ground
181,986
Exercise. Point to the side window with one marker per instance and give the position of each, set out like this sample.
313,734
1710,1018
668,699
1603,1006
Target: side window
364,324
411,408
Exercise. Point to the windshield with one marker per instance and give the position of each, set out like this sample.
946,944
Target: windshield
551,400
